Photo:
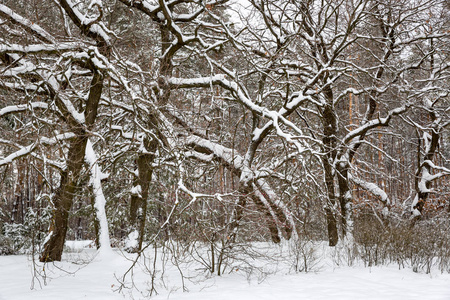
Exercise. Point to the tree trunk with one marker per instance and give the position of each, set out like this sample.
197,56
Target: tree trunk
63,200
329,142
345,199
333,236
270,221
64,195
138,206
422,183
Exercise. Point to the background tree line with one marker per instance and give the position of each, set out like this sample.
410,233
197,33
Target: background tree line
136,122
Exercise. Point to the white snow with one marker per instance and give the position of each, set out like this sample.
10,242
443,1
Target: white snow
15,48
78,246
81,275
9,13
136,190
340,284
227,154
22,107
131,241
371,187
28,149
100,201
95,2
95,28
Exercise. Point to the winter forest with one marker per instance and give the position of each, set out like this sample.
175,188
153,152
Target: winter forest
196,131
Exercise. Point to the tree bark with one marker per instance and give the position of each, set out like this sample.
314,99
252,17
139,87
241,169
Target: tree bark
329,142
345,199
62,201
138,207
63,198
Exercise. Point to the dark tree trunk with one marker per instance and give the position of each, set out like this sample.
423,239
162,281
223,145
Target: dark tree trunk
147,169
63,198
333,236
270,221
345,199
329,142
422,196
138,205
62,201
280,216
145,160
244,191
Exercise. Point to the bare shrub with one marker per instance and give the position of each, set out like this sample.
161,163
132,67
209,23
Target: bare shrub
304,256
420,247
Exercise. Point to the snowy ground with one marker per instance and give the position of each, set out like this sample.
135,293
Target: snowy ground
75,278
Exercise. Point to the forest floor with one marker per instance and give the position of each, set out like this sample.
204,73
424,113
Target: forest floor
84,274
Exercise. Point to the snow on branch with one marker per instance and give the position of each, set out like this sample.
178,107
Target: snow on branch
362,130
275,116
52,84
26,150
22,107
39,48
372,188
102,63
229,156
426,178
29,26
444,171
95,181
269,195
155,11
236,162
195,196
91,27
23,87
144,6
171,19
69,110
